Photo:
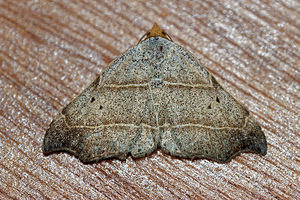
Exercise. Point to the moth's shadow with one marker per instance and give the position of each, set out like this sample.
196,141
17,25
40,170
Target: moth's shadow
156,152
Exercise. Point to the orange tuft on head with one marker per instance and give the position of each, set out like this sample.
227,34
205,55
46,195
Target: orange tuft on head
155,31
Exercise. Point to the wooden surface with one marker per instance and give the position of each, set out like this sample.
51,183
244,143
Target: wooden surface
51,50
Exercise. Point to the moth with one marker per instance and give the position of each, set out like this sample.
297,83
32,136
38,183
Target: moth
155,95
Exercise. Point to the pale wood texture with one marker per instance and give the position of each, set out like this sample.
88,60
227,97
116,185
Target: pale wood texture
51,50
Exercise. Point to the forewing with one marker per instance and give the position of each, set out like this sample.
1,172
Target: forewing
202,119
111,118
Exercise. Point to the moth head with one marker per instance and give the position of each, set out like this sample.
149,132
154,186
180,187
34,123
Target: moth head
155,31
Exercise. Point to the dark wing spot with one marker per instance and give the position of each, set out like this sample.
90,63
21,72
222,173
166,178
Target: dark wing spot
160,48
92,99
218,100
101,107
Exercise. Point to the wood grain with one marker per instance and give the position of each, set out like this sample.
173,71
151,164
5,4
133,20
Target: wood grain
51,50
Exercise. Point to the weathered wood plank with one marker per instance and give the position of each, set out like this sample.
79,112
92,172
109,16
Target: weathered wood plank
51,50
